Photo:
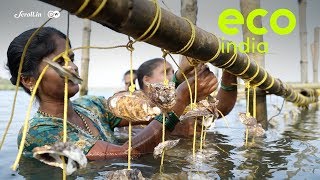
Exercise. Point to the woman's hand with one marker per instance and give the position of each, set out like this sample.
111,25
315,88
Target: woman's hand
186,67
206,84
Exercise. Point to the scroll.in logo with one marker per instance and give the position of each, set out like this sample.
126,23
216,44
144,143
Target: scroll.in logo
53,14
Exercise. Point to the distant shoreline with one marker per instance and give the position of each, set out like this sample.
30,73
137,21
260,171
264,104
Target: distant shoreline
5,84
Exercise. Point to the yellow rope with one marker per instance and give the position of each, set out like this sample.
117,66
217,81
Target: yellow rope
129,146
192,107
191,40
131,90
165,80
204,137
195,85
97,47
82,7
224,118
271,84
256,74
201,136
247,84
64,167
194,138
97,11
263,80
26,125
18,80
246,69
254,99
163,137
156,19
234,60
218,51
233,57
185,77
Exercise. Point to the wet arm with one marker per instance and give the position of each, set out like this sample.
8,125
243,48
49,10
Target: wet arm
227,98
142,143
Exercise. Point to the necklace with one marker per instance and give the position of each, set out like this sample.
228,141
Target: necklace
78,113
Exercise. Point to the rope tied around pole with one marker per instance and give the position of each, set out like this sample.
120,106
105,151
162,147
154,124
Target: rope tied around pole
233,59
216,55
95,13
156,19
247,67
191,40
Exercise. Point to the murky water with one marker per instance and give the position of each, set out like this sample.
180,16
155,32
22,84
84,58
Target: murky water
290,149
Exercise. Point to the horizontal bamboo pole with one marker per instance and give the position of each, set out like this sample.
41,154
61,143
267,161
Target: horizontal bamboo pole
305,85
133,18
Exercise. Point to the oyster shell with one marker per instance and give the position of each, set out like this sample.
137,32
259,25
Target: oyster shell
256,130
166,145
51,155
125,174
135,107
163,96
203,108
247,119
64,71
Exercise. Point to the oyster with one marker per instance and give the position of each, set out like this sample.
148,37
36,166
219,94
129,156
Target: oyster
125,174
163,96
52,155
64,71
135,107
247,119
256,130
203,108
166,145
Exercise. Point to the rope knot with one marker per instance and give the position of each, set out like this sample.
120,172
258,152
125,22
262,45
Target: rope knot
132,88
66,57
130,45
164,53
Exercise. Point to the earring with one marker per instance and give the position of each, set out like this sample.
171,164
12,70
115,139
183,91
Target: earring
31,89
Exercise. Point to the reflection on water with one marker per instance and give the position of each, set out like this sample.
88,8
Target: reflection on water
290,150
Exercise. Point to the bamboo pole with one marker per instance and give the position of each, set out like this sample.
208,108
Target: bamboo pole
133,17
315,54
246,7
85,57
189,9
303,40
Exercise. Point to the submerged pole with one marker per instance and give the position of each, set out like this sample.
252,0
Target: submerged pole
133,18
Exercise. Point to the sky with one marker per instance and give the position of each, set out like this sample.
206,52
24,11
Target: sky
108,66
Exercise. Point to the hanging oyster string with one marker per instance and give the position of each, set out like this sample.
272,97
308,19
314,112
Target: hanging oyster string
164,96
254,128
205,108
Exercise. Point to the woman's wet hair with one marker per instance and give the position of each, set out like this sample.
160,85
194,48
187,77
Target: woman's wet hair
146,69
42,45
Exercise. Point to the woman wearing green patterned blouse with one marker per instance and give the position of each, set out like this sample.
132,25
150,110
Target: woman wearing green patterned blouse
90,124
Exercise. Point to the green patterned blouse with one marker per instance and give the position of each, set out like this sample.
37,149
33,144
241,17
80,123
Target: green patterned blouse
45,130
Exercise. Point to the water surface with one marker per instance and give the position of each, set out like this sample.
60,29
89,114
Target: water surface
290,149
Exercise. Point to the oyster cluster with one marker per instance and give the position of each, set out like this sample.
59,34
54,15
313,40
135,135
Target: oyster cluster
255,128
125,174
162,95
52,155
132,107
166,145
205,108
